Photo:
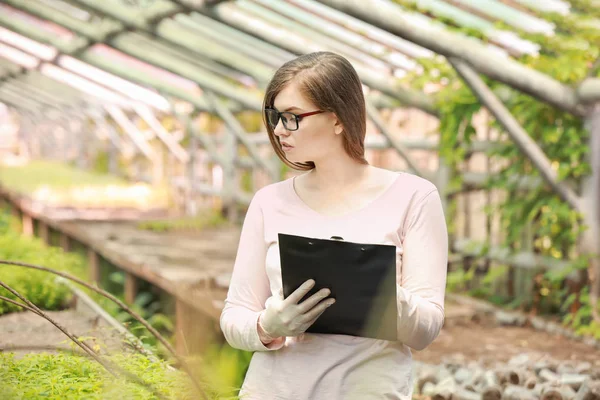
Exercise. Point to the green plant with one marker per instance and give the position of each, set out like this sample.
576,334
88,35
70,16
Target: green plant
224,369
44,288
7,222
458,279
68,376
221,369
101,161
148,306
581,321
246,183
37,286
567,56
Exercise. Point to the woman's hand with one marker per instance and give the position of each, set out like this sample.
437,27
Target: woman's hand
288,318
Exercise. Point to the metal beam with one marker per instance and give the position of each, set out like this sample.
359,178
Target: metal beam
348,37
118,38
35,78
42,93
34,32
479,180
523,259
591,200
68,85
19,95
297,44
391,18
279,15
237,130
99,120
177,35
67,89
66,110
131,130
207,81
589,91
131,74
516,132
8,73
235,39
393,142
19,104
195,59
205,140
174,147
419,143
32,79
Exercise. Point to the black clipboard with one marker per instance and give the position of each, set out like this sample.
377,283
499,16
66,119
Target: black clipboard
361,277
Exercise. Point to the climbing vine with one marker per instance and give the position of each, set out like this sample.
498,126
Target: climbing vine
568,57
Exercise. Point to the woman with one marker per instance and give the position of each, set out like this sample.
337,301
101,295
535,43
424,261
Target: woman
316,121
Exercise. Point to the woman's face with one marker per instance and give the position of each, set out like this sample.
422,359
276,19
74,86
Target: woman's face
317,135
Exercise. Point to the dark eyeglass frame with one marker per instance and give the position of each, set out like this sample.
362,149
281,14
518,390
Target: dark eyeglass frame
297,117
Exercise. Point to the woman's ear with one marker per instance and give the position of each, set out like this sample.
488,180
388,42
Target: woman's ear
338,128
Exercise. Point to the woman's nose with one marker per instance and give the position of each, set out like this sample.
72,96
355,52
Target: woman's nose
280,130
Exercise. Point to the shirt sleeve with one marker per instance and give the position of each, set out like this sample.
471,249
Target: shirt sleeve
249,287
422,282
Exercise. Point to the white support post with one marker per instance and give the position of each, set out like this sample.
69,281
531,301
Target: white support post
591,201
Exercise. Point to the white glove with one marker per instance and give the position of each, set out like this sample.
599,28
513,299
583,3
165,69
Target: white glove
287,318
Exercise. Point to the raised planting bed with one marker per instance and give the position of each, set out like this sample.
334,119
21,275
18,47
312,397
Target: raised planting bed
38,360
60,191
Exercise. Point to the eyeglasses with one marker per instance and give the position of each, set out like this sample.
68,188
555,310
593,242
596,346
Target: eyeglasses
290,120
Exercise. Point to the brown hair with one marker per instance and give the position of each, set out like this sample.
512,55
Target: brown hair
331,83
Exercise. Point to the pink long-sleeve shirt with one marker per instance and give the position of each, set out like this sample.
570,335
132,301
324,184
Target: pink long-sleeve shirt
408,215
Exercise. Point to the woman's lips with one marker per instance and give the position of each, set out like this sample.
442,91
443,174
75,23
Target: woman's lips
286,147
